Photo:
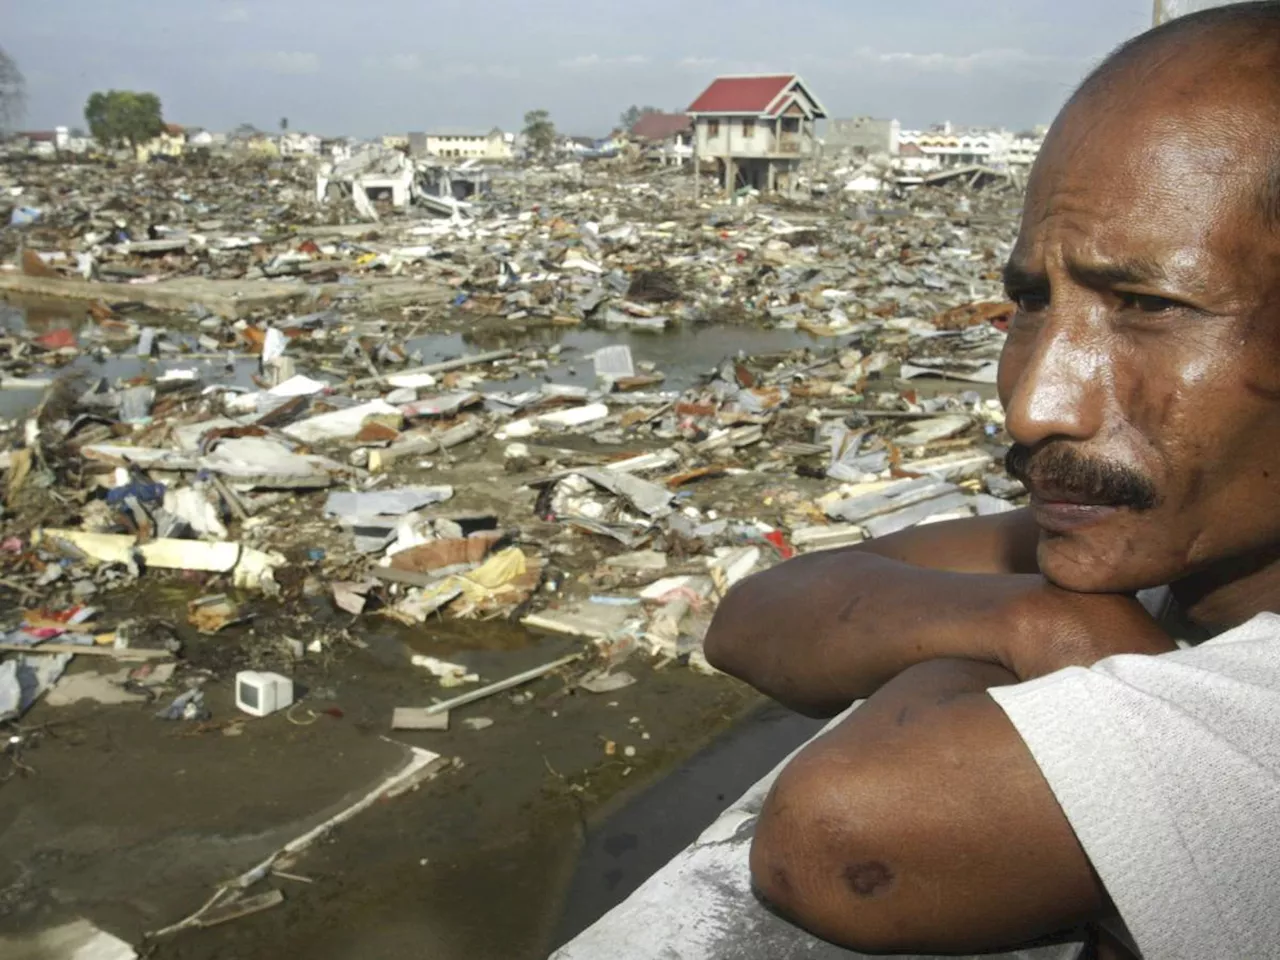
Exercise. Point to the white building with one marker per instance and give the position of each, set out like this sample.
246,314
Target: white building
456,144
1024,150
943,148
299,145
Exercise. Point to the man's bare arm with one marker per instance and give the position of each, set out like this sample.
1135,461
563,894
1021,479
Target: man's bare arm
1001,543
822,631
922,824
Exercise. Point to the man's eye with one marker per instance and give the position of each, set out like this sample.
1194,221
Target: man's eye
1031,302
1147,303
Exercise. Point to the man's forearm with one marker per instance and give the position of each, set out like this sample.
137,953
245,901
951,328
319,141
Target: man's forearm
822,631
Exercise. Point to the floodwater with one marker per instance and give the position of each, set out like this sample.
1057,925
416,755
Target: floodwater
628,846
42,317
683,353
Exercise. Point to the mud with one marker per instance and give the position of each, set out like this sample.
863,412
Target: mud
131,821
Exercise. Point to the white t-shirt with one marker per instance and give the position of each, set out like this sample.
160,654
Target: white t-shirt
1168,769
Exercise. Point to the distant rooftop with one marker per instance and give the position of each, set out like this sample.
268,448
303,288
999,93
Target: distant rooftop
659,126
760,96
740,94
462,132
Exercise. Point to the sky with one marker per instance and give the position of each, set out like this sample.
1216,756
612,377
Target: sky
337,67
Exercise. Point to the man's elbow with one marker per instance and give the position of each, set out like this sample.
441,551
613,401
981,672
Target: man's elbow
808,866
726,646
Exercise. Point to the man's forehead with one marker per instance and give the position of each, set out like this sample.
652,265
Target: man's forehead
1159,188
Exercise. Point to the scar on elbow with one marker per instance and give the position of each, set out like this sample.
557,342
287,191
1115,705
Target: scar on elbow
868,879
780,883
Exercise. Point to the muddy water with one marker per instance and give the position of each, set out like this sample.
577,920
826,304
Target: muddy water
538,833
683,353
41,317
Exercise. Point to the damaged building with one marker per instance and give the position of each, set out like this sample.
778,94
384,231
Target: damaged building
759,130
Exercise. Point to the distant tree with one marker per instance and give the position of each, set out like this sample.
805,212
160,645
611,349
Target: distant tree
120,117
13,93
284,124
245,131
631,116
539,131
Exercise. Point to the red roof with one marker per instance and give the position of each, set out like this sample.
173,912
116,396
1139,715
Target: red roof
660,126
174,129
741,94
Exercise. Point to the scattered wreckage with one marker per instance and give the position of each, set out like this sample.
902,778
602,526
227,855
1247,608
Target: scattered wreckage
293,453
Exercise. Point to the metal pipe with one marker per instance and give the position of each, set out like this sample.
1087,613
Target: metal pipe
492,688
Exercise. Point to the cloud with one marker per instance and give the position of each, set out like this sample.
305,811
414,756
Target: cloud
593,61
287,63
963,63
698,63
405,62
470,71
233,13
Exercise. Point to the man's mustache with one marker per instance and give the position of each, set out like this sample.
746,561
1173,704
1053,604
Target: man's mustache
1065,472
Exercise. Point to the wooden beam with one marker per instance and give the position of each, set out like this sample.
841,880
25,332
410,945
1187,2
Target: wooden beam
127,653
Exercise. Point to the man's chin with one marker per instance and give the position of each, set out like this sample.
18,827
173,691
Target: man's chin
1081,564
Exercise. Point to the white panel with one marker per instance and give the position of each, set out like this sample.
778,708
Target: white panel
1180,8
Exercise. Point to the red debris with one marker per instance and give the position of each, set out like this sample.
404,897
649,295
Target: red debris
785,550
58,339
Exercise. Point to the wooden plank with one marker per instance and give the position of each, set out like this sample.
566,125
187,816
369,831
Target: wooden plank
125,654
243,907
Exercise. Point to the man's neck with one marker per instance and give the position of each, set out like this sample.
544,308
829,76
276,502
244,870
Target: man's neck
1229,593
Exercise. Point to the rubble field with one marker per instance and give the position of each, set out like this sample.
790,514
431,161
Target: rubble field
335,607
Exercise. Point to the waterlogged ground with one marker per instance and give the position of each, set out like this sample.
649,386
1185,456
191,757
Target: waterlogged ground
543,823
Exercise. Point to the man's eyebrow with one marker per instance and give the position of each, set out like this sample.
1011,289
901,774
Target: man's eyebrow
1104,274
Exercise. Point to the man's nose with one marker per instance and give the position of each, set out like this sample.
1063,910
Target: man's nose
1060,388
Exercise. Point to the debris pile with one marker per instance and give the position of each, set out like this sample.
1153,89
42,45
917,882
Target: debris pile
550,247
619,517
412,413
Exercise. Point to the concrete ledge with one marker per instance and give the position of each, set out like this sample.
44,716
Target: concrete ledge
700,906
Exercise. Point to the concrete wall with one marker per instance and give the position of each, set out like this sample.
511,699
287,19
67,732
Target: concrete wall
733,142
493,147
863,133
1171,9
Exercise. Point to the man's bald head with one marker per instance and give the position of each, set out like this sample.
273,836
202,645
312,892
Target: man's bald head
1229,30
1231,51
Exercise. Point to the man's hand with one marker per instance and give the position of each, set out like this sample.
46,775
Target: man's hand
821,631
922,824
